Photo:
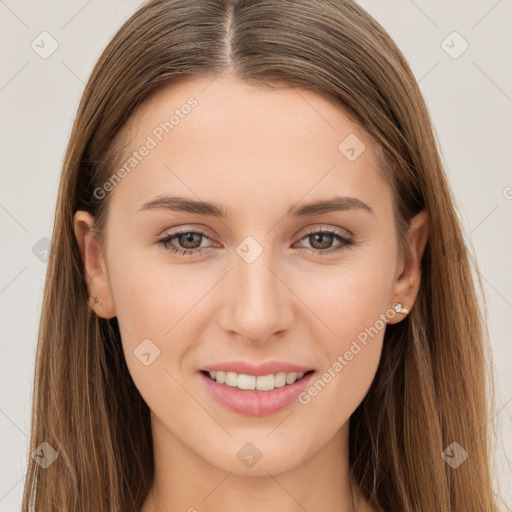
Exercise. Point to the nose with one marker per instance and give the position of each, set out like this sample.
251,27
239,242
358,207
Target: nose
257,301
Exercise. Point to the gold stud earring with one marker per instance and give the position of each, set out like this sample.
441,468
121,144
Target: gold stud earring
399,309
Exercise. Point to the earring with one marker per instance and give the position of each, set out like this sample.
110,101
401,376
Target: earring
399,309
97,300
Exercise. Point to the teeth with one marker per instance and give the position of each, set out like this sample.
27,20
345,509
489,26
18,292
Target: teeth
231,379
280,380
252,382
291,378
245,381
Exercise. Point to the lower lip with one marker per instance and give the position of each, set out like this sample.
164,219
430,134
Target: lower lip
256,403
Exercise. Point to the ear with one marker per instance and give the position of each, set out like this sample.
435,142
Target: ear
94,265
407,282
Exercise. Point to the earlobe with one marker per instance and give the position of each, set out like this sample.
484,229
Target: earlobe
94,265
408,282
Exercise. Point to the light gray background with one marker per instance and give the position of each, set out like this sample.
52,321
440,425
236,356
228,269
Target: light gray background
469,97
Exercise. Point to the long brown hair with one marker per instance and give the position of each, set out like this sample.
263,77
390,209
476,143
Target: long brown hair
432,384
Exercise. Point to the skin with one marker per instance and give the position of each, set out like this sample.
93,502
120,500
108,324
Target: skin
256,152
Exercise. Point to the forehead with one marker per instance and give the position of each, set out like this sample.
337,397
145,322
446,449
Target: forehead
221,132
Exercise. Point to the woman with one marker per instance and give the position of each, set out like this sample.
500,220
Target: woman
258,293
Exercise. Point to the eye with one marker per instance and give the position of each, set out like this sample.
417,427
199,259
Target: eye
189,241
322,239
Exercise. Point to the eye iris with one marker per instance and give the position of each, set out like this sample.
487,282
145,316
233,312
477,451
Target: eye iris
325,245
320,241
186,237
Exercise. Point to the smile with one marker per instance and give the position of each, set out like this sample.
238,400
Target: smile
252,395
253,382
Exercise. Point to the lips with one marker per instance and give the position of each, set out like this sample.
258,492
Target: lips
256,402
267,368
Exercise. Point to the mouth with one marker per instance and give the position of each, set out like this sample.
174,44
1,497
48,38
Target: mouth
256,395
256,383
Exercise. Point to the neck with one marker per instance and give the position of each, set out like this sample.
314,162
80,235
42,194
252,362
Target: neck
185,481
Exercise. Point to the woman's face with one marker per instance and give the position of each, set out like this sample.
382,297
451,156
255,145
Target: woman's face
258,284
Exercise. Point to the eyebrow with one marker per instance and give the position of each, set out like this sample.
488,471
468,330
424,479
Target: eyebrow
183,204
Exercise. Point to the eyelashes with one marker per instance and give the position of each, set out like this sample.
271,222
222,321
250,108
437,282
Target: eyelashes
185,235
165,242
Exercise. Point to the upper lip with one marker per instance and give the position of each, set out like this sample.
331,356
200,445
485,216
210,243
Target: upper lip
267,368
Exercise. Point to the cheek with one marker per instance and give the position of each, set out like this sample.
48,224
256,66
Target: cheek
357,318
349,298
351,306
340,308
149,295
159,302
350,355
151,304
